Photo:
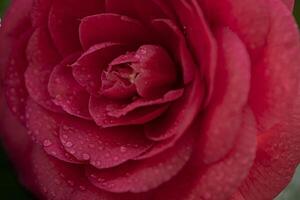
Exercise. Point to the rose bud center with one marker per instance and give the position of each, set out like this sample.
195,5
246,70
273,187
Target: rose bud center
149,72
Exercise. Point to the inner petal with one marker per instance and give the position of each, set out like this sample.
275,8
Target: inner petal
149,73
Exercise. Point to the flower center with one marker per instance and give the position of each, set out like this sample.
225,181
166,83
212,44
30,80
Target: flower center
149,72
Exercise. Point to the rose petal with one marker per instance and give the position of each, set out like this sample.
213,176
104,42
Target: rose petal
44,129
229,97
88,68
290,4
67,181
141,176
274,85
42,58
103,148
142,10
14,84
123,111
64,20
98,108
180,114
216,181
67,92
110,27
199,38
172,38
277,157
40,12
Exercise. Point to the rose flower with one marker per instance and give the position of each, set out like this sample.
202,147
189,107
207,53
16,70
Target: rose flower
151,99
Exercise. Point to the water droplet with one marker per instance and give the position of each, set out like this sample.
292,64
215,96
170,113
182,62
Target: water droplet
47,143
123,149
86,156
82,188
70,182
69,144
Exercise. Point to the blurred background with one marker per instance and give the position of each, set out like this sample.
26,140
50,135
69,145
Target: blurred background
11,189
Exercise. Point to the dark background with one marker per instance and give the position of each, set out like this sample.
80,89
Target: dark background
12,190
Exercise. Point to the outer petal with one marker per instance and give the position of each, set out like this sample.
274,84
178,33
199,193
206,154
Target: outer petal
141,176
43,127
217,181
271,49
102,147
42,58
225,110
64,20
14,83
290,4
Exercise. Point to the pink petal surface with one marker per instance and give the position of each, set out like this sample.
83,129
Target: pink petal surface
216,181
66,92
290,4
108,27
42,58
89,66
141,176
269,100
225,110
43,127
14,83
64,20
274,88
68,181
39,12
102,147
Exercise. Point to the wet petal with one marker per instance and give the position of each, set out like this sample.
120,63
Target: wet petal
44,129
102,147
141,176
66,92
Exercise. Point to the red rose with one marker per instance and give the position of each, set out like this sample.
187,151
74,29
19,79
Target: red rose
156,99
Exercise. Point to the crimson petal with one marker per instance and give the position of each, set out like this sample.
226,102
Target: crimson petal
180,114
168,97
14,83
173,39
67,92
42,58
141,176
200,181
109,113
64,20
40,12
110,27
102,147
44,129
199,38
229,98
88,68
